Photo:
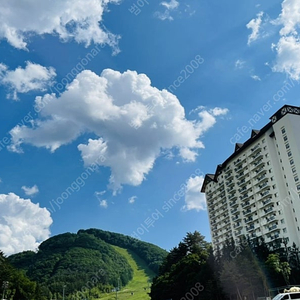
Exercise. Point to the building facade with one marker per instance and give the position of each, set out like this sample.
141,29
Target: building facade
256,191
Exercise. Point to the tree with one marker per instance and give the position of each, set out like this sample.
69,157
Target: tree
185,268
278,267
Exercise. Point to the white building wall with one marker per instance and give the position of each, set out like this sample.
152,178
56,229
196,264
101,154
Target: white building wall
257,193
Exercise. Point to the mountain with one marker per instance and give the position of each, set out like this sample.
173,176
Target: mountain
86,262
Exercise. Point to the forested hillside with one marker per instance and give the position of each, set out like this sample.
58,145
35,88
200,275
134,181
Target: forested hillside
84,264
151,254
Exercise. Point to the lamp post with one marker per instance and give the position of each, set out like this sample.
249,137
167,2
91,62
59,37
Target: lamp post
5,286
64,286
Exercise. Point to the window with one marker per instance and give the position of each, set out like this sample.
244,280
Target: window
289,154
284,230
298,187
283,130
263,140
287,145
282,221
296,178
294,169
291,161
295,295
285,138
274,186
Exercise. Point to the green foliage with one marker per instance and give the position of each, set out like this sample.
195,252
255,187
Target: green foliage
151,254
17,286
185,267
85,263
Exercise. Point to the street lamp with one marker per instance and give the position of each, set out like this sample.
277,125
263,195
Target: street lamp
64,286
5,286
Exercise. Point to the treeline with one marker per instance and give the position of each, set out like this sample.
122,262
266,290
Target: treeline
151,254
14,284
251,269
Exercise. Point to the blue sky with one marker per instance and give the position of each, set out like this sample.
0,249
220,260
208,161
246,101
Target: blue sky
113,111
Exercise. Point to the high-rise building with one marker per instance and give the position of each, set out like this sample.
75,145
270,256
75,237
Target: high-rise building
255,191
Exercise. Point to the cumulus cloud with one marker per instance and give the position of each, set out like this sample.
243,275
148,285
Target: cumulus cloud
289,17
30,191
115,108
193,198
288,56
33,77
68,19
23,224
166,14
254,25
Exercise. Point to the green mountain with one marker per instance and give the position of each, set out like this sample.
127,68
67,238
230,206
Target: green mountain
86,263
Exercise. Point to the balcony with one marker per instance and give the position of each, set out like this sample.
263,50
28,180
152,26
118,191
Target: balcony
264,194
238,232
249,219
236,217
267,210
271,228
266,201
229,183
241,175
261,186
232,196
255,148
257,163
238,161
243,189
237,225
250,227
230,189
270,219
259,170
234,210
238,168
260,178
274,236
244,196
228,175
256,155
247,211
247,203
233,203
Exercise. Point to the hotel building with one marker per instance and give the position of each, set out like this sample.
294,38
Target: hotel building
255,191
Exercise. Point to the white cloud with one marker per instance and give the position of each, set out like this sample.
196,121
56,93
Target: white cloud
33,77
255,77
170,6
67,19
103,203
254,25
30,191
23,224
107,106
289,17
288,56
239,64
132,199
193,198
